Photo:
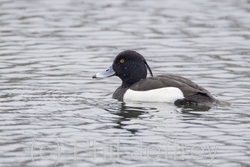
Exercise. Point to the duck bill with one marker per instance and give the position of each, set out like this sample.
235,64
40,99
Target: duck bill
104,74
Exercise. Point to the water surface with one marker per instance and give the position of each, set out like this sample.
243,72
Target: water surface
53,113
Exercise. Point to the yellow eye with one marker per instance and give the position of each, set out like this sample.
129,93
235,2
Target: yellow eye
122,61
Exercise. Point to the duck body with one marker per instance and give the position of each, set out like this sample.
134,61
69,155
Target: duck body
182,90
131,68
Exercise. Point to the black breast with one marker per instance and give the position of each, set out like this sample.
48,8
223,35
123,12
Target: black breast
118,94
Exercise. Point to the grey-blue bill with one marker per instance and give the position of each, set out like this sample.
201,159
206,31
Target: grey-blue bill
104,74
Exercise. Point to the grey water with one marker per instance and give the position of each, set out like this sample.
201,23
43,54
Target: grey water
52,113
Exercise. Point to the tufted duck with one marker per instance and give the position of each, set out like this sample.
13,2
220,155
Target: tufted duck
131,68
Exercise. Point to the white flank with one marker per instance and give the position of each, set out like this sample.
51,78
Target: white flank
169,95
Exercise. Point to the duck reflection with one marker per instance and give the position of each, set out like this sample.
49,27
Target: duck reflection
128,112
132,111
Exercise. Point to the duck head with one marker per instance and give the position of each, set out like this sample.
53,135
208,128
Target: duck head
129,66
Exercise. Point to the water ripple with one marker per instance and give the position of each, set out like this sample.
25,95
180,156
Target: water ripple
49,51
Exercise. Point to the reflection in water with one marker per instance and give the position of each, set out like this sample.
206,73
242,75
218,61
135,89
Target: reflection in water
127,113
198,108
135,110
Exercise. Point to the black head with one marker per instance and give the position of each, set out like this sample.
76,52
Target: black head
128,65
131,67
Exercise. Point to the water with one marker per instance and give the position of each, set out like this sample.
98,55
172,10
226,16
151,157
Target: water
53,113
